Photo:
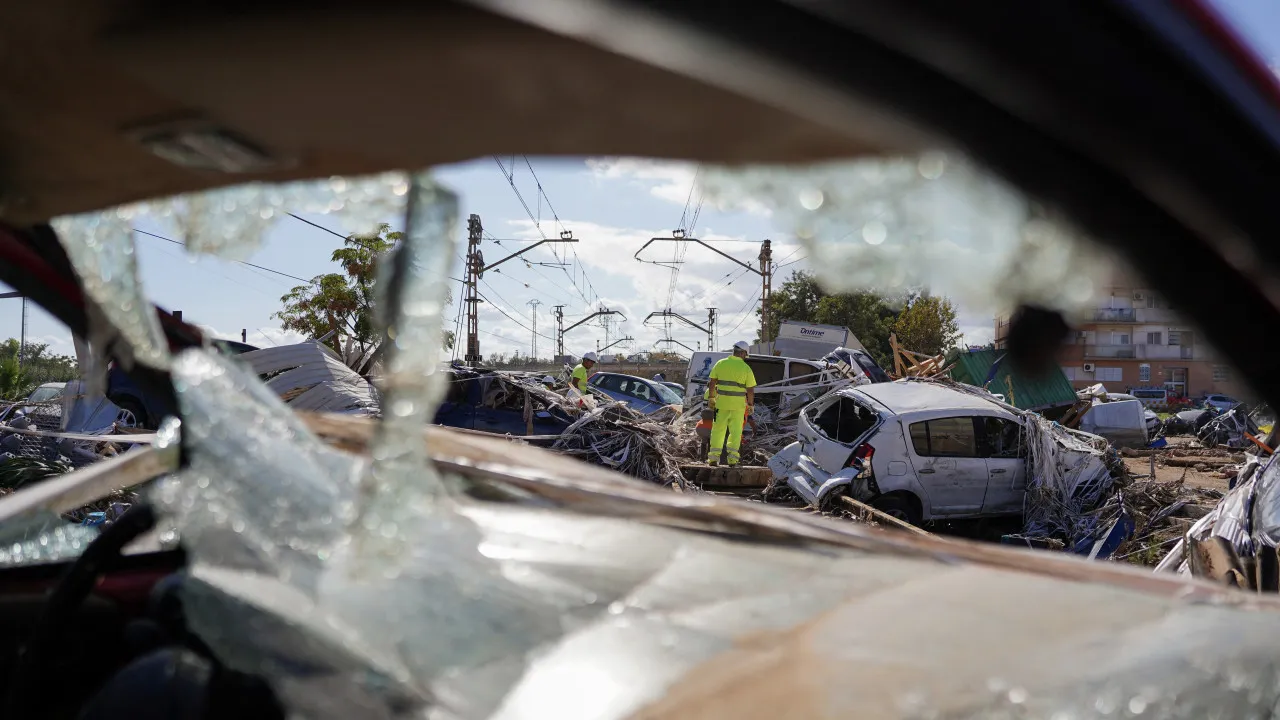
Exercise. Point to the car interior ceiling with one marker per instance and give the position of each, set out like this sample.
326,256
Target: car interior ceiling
845,420
1165,175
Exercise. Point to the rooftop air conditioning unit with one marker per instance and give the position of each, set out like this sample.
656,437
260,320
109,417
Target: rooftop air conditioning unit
1089,367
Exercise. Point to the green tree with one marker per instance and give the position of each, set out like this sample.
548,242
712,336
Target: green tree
927,325
343,302
15,381
37,366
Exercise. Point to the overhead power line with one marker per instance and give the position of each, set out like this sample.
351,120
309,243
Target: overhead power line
242,262
507,315
743,310
509,174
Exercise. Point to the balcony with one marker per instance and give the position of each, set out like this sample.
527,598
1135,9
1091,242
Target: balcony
1156,315
1109,351
1166,352
1123,315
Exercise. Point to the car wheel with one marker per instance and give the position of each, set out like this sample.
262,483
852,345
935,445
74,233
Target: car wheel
898,507
132,414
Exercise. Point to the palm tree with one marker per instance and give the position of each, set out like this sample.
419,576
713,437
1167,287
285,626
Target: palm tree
16,382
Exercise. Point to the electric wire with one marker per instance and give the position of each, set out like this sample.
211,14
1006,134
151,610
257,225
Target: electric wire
242,262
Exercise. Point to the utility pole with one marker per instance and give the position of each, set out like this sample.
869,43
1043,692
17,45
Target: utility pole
619,341
766,291
559,331
711,329
22,342
668,315
765,271
471,296
596,314
476,268
534,303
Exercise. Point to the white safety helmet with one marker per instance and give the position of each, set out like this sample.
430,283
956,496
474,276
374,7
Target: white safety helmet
742,345
589,356
548,380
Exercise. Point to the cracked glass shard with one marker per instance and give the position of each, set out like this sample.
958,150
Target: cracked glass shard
101,248
232,222
935,220
374,551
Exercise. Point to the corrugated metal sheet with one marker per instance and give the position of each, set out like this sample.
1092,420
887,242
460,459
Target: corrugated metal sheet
973,367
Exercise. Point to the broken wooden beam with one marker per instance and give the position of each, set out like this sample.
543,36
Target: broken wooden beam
884,517
727,476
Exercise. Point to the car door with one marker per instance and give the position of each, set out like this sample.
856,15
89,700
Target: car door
643,398
504,420
459,406
609,384
1003,445
944,454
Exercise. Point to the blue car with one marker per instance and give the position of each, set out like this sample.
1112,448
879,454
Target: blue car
642,395
130,398
488,402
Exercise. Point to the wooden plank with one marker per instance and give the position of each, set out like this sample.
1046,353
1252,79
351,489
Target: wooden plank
737,476
882,517
86,485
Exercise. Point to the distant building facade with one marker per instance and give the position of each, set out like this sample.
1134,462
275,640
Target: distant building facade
1133,339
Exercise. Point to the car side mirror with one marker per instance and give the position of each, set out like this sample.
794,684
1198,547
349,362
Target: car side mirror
542,415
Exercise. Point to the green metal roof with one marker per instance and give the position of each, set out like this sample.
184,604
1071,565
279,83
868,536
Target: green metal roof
973,367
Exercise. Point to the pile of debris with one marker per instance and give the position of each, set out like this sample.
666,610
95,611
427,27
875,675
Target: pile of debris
648,447
1235,542
1234,428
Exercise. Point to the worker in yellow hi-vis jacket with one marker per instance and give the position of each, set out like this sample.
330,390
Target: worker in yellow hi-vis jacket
730,394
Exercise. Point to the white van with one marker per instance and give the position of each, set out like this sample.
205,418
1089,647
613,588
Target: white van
771,370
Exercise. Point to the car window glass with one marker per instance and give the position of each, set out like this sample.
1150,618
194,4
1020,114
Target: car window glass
869,366
641,390
610,382
802,373
844,420
920,438
667,396
44,394
948,437
1003,438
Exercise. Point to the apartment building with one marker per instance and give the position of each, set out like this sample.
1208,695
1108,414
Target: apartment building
1134,339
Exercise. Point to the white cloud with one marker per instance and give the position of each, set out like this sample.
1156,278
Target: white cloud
668,180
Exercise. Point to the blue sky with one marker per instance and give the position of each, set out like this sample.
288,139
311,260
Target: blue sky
613,206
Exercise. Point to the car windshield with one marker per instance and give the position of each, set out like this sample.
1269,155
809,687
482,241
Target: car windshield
666,395
45,393
828,277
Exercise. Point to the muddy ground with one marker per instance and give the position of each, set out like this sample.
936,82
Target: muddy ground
1208,474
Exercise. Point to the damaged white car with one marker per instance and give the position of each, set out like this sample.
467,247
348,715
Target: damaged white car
922,451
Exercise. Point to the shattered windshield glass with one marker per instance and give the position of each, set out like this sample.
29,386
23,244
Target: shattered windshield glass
347,547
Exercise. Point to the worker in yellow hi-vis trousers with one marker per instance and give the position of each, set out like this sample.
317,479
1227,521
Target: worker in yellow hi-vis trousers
730,394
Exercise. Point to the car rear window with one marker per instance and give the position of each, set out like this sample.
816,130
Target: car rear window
945,437
767,370
870,367
845,420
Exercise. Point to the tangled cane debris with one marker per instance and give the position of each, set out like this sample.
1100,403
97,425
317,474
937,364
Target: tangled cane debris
619,438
